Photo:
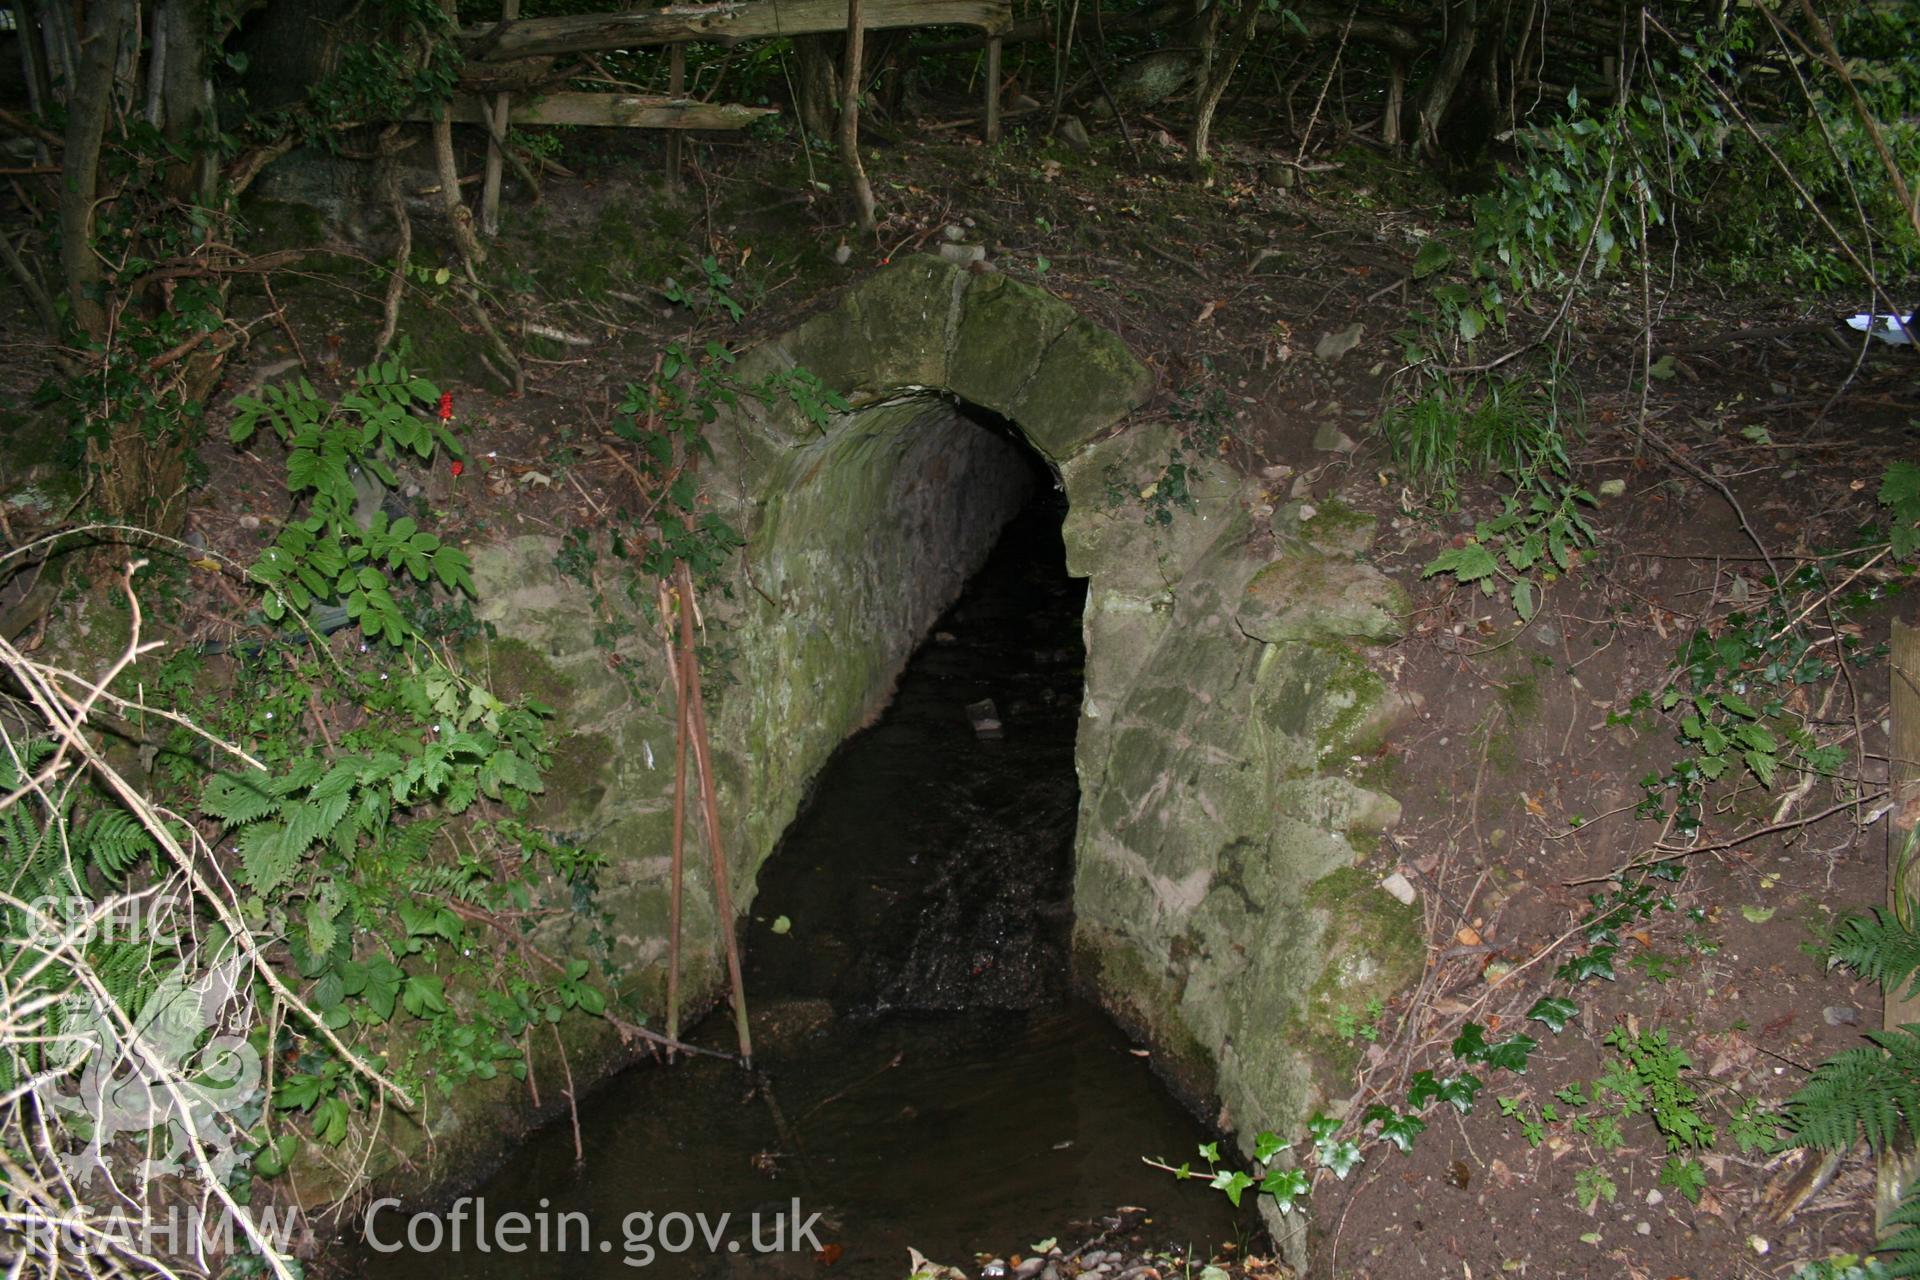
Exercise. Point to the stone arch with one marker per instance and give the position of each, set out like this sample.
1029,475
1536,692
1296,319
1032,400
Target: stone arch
1014,350
863,529
1226,892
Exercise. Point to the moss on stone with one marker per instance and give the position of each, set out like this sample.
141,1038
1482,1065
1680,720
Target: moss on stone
1374,946
581,774
441,342
1360,720
1004,334
514,670
1307,595
1087,382
1146,1005
1336,529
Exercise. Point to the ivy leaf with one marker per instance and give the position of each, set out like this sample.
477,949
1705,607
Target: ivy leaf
1597,963
1233,1182
1555,1011
1285,1186
1460,1091
1340,1157
1471,1044
1401,1130
1512,1053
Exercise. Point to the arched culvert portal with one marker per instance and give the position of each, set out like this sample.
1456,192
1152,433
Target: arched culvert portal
860,533
1229,746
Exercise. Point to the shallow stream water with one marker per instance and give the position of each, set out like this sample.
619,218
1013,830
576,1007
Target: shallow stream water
929,1078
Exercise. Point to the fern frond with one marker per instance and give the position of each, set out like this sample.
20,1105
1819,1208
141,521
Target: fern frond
1899,1249
1864,1091
1880,947
113,840
462,883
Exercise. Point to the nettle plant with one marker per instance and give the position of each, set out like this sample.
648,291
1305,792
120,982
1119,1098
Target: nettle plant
385,842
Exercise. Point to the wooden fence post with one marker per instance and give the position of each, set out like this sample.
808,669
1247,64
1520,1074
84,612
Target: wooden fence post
993,88
1897,1166
496,140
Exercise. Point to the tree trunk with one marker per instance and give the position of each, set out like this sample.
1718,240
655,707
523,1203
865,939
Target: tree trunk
184,92
816,84
850,120
1436,95
89,103
1214,85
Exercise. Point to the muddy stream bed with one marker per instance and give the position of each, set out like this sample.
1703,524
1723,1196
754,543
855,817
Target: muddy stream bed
929,1077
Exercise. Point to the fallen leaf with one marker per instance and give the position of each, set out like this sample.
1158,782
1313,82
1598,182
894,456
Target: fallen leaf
1534,807
1206,312
1757,915
1468,936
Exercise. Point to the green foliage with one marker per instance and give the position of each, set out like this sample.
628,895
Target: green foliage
1862,1092
1881,948
1845,1266
1817,154
1351,1025
710,294
50,915
1489,425
1871,1091
1647,1078
1900,494
1737,699
403,60
380,851
326,556
667,419
1541,529
1592,1185
1202,429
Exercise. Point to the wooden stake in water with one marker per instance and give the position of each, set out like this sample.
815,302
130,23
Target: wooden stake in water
682,730
710,806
